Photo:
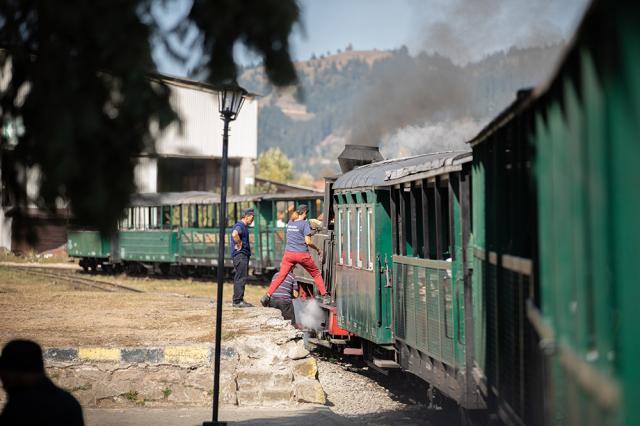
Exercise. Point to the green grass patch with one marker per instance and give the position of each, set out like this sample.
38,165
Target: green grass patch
131,395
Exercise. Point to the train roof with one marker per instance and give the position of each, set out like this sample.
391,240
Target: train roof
152,199
390,172
173,198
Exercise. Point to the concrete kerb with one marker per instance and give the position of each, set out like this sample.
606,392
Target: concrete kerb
178,355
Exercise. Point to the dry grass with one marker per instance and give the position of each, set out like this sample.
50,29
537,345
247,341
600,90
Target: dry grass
56,313
33,257
200,287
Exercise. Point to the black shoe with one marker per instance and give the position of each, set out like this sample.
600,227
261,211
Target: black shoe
242,304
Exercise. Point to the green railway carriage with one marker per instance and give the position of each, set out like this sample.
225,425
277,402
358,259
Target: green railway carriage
199,230
89,246
148,233
181,230
502,258
587,141
556,236
402,228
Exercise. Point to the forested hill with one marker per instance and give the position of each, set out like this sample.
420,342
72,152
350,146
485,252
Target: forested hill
406,104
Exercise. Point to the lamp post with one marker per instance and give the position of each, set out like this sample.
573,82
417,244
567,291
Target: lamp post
230,100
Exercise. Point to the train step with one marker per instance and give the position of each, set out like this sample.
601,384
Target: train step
385,363
353,351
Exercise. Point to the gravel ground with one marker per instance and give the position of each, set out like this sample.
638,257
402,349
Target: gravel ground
368,397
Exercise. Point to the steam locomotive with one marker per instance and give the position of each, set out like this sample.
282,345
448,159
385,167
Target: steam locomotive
506,276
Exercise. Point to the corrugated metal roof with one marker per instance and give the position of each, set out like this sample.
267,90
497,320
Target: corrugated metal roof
389,172
152,199
173,198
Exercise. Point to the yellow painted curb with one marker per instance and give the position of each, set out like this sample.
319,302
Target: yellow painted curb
186,355
99,354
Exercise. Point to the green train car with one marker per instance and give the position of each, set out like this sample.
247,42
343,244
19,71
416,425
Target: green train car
399,268
179,231
507,280
556,235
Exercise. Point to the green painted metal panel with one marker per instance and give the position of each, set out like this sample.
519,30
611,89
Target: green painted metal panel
363,299
477,243
425,313
203,243
626,207
148,246
87,244
589,239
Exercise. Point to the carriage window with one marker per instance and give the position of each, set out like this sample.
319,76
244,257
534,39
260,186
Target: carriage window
175,220
359,235
215,215
140,217
340,237
185,216
291,208
281,208
146,215
204,216
348,226
166,216
370,231
231,214
133,219
153,217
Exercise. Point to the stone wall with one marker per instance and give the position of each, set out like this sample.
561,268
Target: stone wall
263,363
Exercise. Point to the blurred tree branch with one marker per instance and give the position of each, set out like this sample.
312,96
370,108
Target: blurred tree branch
77,106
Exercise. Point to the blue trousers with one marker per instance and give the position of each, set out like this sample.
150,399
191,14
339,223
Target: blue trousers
241,270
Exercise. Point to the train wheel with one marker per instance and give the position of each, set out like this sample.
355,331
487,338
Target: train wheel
165,268
84,265
93,266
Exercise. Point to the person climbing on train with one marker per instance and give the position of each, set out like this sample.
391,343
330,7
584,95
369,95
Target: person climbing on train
296,252
240,254
282,297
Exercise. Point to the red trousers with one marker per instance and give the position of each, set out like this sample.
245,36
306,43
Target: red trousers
289,261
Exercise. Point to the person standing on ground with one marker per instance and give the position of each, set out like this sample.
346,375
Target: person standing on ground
282,297
296,252
240,254
33,399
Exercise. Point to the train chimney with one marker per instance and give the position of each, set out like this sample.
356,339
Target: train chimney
358,155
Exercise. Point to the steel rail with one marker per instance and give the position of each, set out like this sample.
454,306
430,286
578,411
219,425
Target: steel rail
72,277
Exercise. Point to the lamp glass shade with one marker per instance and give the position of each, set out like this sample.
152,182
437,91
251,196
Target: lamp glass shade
230,100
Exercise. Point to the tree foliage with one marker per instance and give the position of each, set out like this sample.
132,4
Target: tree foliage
273,164
77,104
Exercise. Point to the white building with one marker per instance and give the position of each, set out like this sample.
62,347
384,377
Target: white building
187,157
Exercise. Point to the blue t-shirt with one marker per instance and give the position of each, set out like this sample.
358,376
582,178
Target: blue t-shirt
243,232
296,231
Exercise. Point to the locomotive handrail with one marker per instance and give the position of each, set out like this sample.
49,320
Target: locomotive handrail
425,263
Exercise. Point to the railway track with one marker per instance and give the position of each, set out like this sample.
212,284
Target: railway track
74,278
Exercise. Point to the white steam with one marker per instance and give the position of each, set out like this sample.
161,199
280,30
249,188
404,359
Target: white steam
430,137
308,314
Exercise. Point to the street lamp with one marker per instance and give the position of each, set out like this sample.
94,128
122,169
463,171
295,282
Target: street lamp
230,100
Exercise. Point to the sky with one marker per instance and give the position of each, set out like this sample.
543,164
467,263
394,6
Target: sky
465,30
